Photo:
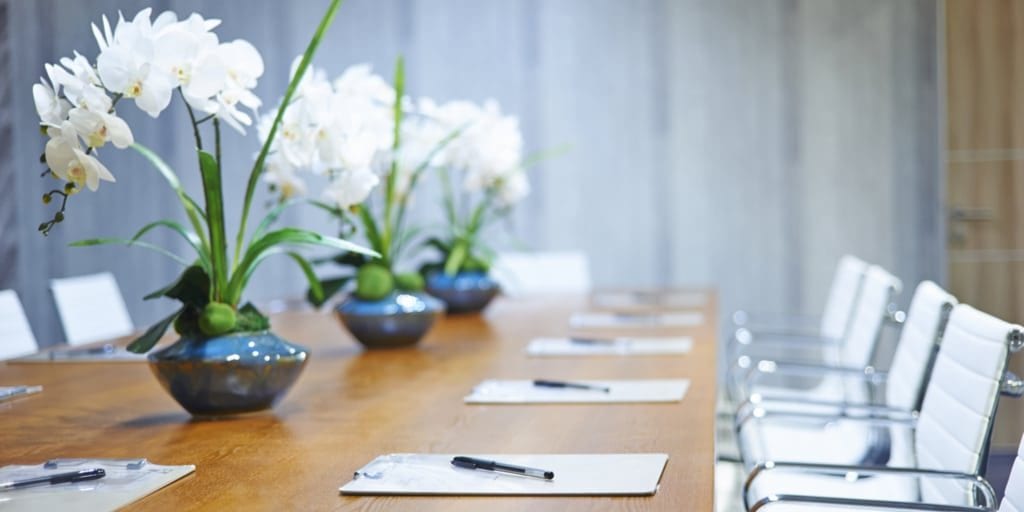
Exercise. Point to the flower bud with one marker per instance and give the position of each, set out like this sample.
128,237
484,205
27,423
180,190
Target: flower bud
70,188
47,198
59,216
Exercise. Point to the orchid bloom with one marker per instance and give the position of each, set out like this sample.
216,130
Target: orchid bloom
67,160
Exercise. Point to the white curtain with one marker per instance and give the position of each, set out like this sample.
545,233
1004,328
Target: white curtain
739,144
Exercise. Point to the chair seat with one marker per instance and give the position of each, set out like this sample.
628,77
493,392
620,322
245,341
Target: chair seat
812,441
888,487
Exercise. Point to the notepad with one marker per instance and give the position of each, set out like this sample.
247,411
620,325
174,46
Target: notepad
632,474
620,391
631,346
12,392
83,355
597,319
633,299
126,481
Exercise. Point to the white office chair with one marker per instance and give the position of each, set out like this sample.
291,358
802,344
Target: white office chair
533,273
91,308
936,457
1013,498
16,338
838,310
856,350
851,443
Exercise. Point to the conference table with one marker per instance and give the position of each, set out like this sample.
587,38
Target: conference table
351,405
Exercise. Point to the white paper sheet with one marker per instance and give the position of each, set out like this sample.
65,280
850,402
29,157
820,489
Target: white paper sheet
634,474
627,346
120,487
598,319
12,392
620,391
633,299
84,355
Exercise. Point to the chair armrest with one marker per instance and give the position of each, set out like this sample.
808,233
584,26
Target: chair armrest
853,472
826,409
745,374
743,336
775,320
855,503
761,415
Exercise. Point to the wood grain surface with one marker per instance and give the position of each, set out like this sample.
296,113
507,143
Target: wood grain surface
351,405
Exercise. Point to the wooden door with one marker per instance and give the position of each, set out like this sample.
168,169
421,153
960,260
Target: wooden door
985,170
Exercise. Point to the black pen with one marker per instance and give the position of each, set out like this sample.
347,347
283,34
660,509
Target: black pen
594,341
490,465
91,351
60,478
571,385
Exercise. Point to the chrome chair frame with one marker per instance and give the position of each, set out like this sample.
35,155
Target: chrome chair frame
1010,385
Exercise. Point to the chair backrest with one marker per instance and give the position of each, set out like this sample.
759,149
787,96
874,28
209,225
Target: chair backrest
876,293
955,422
16,338
522,273
91,308
1013,498
842,295
917,346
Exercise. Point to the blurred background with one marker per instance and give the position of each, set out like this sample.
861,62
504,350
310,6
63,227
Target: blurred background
745,145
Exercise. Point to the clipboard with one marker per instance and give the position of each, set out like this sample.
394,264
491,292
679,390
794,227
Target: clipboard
619,392
624,346
633,474
126,481
636,320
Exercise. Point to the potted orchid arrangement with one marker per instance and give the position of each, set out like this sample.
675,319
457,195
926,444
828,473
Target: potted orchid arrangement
226,360
363,135
482,174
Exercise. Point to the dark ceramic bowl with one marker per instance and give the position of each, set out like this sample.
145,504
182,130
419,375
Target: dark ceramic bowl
399,320
465,292
230,374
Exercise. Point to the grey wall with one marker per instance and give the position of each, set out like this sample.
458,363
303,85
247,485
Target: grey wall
736,143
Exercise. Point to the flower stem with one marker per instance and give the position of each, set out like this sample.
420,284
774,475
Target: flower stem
192,117
257,168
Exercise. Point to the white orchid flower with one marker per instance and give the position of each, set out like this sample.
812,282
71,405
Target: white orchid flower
52,109
98,127
512,188
67,160
126,64
351,187
359,81
242,66
281,175
188,51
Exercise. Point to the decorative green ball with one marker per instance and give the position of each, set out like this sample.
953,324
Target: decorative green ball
374,282
217,318
410,282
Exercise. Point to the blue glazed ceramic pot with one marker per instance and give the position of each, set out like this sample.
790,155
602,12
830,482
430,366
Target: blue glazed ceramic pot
398,320
236,373
466,292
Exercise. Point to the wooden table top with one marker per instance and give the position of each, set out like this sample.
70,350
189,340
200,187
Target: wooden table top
351,405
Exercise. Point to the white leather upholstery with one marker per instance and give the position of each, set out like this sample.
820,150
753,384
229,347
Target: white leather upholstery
960,401
91,308
926,321
841,297
531,273
876,293
848,443
1013,498
16,338
952,429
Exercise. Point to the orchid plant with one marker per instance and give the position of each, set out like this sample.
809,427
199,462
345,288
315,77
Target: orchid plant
358,132
486,164
147,61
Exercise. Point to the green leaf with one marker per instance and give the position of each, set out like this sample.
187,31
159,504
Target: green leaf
307,269
251,319
300,71
214,193
260,249
189,236
143,343
134,243
456,258
372,233
195,214
192,287
330,287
